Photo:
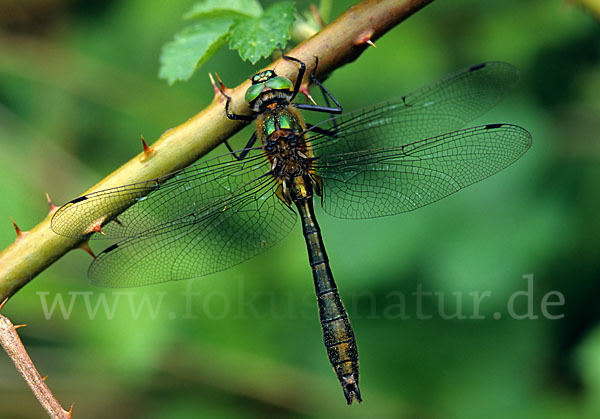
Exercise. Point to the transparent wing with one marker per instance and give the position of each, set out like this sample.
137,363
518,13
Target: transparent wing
156,201
209,239
444,106
385,181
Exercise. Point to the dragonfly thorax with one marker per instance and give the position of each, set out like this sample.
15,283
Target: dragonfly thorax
280,129
285,151
270,98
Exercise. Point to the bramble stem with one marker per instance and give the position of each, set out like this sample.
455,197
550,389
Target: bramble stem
340,42
10,341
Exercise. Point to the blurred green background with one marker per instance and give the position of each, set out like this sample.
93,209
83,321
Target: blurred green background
78,86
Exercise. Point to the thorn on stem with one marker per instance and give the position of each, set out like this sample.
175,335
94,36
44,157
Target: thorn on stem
97,228
18,326
218,96
70,412
86,247
44,378
50,204
2,303
365,38
148,151
304,91
219,88
221,85
314,10
20,233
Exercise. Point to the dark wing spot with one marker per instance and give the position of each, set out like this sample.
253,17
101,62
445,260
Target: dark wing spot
493,126
76,200
477,67
110,248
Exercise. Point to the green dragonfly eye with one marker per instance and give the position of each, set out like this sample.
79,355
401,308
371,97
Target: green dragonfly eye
254,91
279,83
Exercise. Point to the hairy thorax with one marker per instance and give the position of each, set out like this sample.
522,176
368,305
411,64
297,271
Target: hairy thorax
280,129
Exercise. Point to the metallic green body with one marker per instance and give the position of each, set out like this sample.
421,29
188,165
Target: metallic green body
276,118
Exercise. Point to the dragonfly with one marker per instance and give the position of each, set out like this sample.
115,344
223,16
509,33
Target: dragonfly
390,158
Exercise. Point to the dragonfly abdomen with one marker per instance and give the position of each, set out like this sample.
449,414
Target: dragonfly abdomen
339,340
338,335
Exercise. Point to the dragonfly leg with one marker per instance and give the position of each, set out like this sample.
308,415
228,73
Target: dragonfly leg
236,117
301,71
315,108
242,153
231,115
319,130
326,95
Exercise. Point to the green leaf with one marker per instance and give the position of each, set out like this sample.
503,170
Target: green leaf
255,38
192,47
224,8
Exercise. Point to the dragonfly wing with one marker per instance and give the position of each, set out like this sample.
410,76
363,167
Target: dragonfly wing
387,181
444,106
157,201
212,238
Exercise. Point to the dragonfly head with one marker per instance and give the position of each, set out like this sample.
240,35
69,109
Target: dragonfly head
266,81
